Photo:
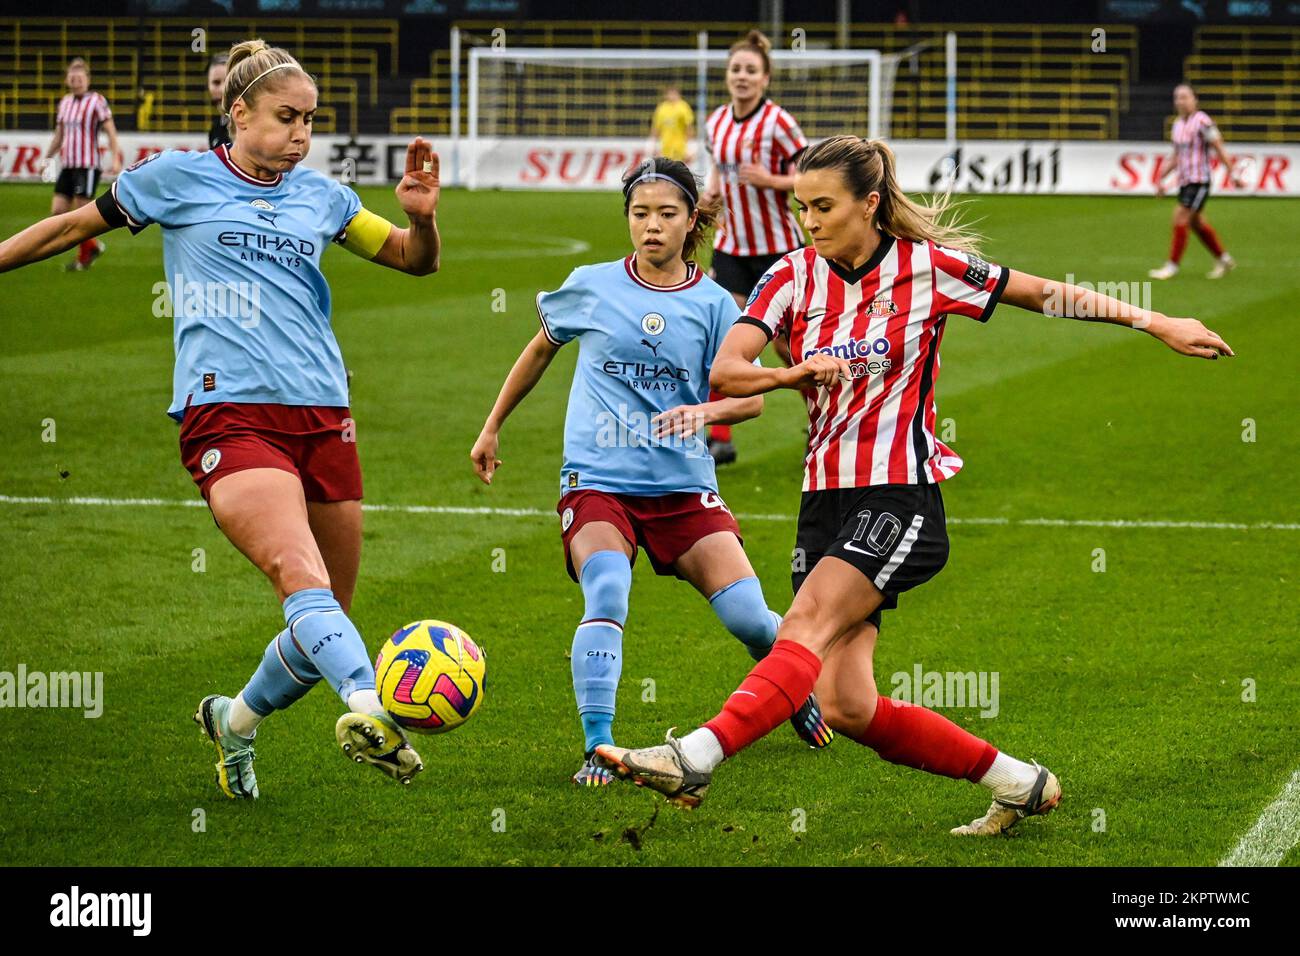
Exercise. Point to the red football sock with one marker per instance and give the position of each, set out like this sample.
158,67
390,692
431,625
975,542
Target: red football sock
1178,245
906,734
776,687
1210,238
86,250
718,432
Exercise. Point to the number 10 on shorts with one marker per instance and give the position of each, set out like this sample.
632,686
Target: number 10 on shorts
883,533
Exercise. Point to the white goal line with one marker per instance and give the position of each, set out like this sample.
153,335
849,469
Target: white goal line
741,516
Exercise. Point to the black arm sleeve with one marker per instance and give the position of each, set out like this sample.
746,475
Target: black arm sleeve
113,214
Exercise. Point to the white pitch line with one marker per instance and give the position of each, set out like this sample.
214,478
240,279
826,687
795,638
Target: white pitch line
1275,832
548,513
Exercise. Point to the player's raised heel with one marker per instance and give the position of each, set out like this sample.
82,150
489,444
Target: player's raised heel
235,754
1043,798
377,740
664,769
811,726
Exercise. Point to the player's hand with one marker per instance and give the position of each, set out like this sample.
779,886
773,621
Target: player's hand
820,370
484,456
752,174
418,191
49,171
117,165
683,420
1188,337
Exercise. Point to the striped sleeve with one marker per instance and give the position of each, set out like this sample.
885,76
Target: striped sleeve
787,136
964,284
102,112
1209,132
770,303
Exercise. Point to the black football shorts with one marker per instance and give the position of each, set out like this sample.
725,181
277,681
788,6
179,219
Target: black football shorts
896,535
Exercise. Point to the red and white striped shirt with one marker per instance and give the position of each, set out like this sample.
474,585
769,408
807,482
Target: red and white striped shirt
758,221
887,319
81,116
1192,137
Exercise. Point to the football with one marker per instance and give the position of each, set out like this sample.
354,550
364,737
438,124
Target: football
430,676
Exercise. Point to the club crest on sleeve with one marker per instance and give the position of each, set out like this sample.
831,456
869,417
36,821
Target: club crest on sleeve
566,519
977,271
211,458
652,323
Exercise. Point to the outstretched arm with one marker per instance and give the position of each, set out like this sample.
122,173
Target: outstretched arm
1048,297
51,236
526,373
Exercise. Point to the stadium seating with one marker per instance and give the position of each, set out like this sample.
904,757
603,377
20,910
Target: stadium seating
153,68
1246,78
1014,81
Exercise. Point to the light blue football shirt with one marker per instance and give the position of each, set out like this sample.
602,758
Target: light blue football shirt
251,309
642,349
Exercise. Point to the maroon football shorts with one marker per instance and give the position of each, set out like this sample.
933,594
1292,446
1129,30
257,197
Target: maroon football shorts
315,443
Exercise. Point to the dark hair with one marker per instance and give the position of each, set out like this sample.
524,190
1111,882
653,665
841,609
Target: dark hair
706,214
219,60
868,166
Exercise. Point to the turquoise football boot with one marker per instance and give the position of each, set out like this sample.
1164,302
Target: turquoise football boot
234,753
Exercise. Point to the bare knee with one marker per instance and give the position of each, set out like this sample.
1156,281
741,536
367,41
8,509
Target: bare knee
296,568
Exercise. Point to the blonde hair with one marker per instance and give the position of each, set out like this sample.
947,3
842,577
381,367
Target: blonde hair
247,62
868,166
755,42
77,63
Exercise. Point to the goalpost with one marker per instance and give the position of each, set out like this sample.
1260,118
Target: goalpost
579,92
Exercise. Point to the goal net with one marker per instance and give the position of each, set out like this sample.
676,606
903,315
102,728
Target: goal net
562,93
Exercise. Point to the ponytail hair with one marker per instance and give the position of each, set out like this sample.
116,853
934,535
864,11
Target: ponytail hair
868,166
661,167
755,41
245,66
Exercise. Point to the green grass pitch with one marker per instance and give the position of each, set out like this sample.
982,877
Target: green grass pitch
1129,683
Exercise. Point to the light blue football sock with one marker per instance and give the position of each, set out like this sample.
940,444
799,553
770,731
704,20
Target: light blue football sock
597,653
744,612
284,676
325,636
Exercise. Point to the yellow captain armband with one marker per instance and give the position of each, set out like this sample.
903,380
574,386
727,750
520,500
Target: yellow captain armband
365,235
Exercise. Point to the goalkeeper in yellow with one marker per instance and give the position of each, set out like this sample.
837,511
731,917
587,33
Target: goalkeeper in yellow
673,127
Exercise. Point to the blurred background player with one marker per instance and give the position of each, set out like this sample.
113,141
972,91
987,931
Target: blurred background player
753,143
871,519
266,432
635,472
219,132
1194,135
672,129
83,112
